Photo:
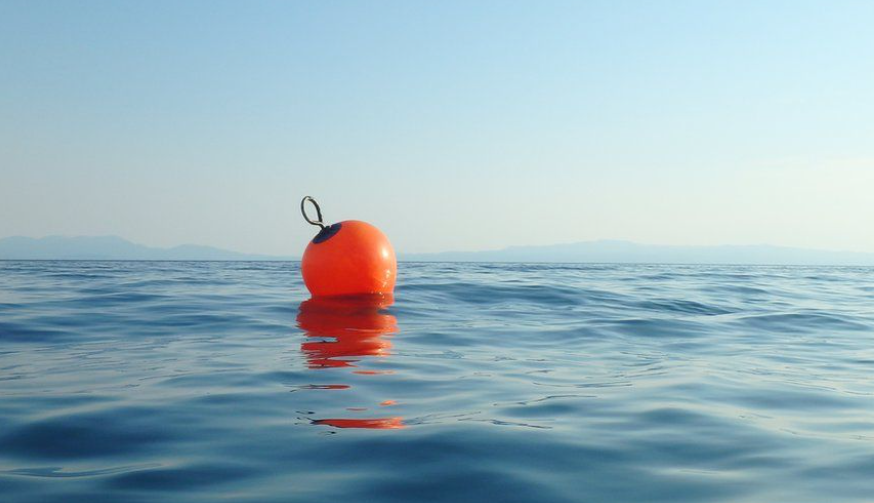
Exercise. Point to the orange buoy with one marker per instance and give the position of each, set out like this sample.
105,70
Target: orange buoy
347,258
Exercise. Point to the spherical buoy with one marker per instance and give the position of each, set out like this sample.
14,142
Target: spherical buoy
347,258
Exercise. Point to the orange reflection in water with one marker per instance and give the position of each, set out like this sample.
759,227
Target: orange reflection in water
356,327
340,332
388,423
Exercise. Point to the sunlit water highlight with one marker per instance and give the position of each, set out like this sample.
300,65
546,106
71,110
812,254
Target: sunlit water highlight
197,382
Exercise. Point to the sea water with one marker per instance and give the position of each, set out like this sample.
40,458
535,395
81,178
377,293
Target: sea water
215,381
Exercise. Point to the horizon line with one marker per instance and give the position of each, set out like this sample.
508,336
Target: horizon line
278,257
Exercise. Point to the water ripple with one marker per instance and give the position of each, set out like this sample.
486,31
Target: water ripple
203,381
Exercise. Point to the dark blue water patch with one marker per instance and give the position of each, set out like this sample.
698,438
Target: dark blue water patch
227,379
92,435
15,407
59,472
682,307
738,290
11,331
186,478
546,407
798,398
566,470
798,322
496,294
662,328
107,299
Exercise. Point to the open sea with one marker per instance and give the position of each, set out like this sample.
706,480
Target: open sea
217,381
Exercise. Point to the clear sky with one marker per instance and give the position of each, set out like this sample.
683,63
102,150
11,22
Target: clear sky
451,125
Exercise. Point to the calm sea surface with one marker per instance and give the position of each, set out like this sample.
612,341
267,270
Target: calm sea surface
208,381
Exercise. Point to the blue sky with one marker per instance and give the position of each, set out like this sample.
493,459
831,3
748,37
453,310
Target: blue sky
451,125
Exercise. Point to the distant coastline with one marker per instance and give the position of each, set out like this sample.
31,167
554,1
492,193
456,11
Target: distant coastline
604,252
627,252
113,248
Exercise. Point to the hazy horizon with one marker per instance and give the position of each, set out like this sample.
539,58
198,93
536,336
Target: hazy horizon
451,126
511,245
600,251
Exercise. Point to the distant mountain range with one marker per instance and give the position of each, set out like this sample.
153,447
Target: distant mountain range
116,248
111,248
628,252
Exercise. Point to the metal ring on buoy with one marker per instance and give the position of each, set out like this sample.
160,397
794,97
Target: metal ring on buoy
303,211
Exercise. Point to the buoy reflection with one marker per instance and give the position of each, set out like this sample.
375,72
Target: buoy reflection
389,423
342,331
